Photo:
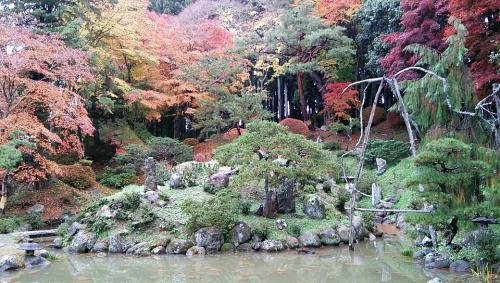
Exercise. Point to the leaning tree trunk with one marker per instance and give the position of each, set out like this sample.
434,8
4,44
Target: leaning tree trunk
3,201
302,97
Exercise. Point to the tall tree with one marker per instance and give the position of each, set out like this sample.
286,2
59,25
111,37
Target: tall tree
40,78
309,46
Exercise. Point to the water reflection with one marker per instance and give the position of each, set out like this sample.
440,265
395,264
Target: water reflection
371,262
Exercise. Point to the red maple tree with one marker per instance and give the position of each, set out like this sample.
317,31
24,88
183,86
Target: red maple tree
338,103
40,78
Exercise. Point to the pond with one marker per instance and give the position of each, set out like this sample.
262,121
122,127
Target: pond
378,261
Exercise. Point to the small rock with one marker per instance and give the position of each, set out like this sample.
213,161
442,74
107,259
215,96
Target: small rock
160,250
219,180
32,261
314,207
381,165
227,247
329,237
241,233
372,237
426,242
152,196
176,181
209,238
102,254
343,233
292,242
309,239
179,246
57,243
44,253
37,208
105,212
8,263
272,246
460,266
436,260
281,224
246,247
195,251
420,254
435,280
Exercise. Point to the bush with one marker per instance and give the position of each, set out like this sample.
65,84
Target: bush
394,119
309,189
162,173
333,145
190,142
295,126
77,176
390,150
171,150
9,225
117,177
221,211
134,155
407,252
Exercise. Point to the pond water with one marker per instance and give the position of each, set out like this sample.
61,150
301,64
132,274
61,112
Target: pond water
378,261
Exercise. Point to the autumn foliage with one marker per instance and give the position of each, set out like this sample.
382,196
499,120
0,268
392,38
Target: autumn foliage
295,126
337,102
40,78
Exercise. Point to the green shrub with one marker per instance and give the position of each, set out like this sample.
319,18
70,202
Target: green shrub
101,227
221,211
211,189
34,220
171,150
134,155
338,127
309,189
9,225
390,150
117,177
333,145
294,230
77,176
407,252
162,173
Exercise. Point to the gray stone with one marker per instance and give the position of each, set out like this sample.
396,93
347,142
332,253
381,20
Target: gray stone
8,263
256,246
381,165
196,251
74,228
209,238
329,237
176,181
376,194
292,242
179,246
460,266
426,242
436,260
228,247
272,246
152,196
246,247
44,253
83,242
160,250
314,207
150,183
241,233
420,254
105,212
372,237
281,224
219,180
57,243
285,196
116,244
310,239
435,280
343,233
140,249
102,254
33,261
101,246
357,223
37,208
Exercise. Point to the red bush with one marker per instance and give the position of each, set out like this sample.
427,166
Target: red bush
378,118
190,142
295,126
232,134
394,119
200,157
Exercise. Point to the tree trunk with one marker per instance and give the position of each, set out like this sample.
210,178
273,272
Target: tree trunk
302,97
269,208
3,201
237,124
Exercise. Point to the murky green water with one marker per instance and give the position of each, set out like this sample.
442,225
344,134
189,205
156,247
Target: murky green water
371,262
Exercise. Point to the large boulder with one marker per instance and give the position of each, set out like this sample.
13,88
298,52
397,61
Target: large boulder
195,250
116,244
8,263
150,183
176,181
241,233
101,246
34,261
329,237
314,207
57,243
436,260
228,247
83,242
209,238
285,196
179,246
343,233
272,246
292,242
74,228
420,254
140,249
159,250
219,180
460,266
152,196
310,239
